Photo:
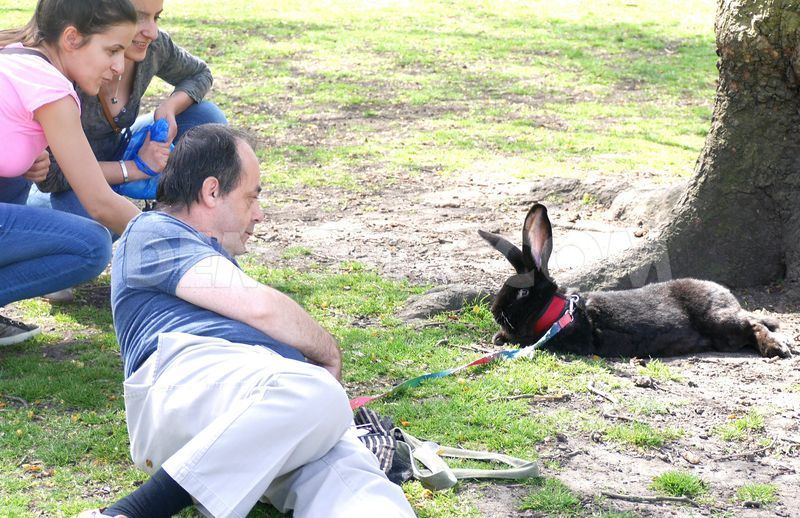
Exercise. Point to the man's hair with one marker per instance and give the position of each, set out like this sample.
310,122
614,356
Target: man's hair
210,150
53,16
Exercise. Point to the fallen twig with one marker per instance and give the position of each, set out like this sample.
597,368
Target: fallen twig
651,499
472,348
425,325
535,397
622,418
325,257
16,399
746,453
790,439
590,387
565,456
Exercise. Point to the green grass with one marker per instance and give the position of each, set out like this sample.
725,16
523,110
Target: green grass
552,497
659,371
642,435
676,483
73,426
763,494
443,504
293,252
359,96
649,406
741,428
523,88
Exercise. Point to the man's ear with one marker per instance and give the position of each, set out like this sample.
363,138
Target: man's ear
209,192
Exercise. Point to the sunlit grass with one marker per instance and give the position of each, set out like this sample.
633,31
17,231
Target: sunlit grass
677,483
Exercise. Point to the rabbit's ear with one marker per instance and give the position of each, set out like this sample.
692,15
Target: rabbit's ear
537,239
502,245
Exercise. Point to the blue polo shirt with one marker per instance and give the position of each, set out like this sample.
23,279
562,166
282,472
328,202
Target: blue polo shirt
152,256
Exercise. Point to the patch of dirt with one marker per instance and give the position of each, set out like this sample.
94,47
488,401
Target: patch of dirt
424,228
96,295
61,351
716,389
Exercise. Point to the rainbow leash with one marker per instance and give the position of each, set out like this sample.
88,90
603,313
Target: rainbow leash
508,354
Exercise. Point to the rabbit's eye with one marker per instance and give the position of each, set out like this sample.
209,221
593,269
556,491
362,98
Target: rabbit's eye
522,293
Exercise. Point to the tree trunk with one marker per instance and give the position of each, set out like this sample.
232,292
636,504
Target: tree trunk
738,222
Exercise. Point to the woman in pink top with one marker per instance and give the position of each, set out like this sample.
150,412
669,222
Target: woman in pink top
41,251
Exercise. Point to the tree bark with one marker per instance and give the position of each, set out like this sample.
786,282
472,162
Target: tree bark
738,222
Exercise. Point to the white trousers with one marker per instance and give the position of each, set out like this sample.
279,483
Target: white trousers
234,424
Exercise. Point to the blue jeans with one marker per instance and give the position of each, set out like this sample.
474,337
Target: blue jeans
204,112
42,250
14,190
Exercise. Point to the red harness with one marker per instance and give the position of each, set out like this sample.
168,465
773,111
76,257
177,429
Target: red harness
556,311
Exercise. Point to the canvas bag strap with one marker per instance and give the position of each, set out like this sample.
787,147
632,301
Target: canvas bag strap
436,474
426,465
23,50
520,468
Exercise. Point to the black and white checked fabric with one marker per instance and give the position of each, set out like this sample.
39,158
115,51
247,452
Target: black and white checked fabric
380,437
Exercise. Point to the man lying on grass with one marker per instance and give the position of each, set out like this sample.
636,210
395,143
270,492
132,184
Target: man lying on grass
231,391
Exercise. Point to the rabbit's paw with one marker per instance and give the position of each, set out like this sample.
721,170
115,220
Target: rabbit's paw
773,344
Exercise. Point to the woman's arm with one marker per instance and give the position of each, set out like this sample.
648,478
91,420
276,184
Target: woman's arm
189,74
186,72
61,123
52,179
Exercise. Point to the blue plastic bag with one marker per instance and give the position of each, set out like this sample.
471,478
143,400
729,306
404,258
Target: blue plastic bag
143,189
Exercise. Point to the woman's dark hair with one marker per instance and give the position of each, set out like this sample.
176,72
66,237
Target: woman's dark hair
209,150
53,16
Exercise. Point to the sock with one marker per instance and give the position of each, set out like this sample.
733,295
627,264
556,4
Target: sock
159,496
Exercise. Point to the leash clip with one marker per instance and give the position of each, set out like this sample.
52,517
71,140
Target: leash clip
573,302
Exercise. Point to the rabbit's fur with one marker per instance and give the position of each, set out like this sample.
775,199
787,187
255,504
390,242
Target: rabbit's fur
670,318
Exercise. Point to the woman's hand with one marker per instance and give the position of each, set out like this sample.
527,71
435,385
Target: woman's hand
165,111
176,103
38,171
154,154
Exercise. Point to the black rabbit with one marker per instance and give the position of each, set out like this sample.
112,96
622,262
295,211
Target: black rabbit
670,318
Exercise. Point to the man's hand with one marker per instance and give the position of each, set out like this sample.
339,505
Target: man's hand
333,359
38,171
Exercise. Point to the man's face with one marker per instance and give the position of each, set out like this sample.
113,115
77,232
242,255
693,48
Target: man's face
240,210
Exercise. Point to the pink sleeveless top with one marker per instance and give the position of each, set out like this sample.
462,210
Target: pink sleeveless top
27,83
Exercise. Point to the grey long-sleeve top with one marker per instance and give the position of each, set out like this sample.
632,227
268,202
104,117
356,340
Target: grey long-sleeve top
164,59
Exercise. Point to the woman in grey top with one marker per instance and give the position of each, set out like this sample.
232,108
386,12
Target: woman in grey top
109,118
